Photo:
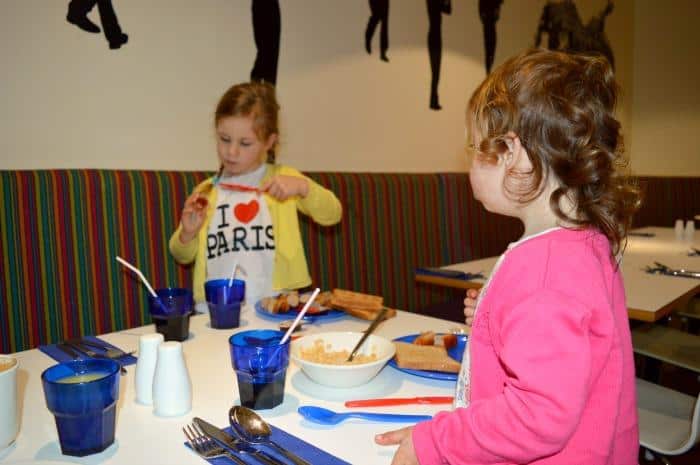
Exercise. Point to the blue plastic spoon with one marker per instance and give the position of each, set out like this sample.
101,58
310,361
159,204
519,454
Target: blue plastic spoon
329,417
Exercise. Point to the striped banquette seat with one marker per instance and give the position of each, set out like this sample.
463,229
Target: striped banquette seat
60,231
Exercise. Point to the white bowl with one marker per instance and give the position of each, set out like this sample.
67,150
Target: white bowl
344,376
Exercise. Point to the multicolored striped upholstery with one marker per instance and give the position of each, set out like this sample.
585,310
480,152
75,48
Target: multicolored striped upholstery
60,231
392,223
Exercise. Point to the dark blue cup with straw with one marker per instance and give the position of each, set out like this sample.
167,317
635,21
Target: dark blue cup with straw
224,298
171,309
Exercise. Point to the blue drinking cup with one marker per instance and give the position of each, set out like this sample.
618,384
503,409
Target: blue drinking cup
261,365
171,311
218,291
82,395
224,302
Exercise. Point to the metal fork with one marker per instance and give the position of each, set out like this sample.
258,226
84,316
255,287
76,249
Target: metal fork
205,447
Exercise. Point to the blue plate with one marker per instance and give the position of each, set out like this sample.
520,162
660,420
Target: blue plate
327,315
456,353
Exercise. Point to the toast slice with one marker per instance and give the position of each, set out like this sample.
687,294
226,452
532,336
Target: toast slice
418,357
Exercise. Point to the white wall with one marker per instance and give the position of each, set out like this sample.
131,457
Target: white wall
666,107
68,101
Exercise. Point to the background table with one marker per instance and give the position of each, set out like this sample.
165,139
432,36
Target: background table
142,437
649,296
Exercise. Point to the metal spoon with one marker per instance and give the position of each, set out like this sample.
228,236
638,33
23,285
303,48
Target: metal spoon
251,427
377,319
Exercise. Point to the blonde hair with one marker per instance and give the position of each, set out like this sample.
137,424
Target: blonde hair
256,100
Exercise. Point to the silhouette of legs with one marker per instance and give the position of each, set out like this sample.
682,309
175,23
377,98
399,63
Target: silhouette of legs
379,13
435,49
489,12
266,30
110,24
77,14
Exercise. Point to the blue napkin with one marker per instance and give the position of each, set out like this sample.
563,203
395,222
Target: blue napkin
303,449
57,354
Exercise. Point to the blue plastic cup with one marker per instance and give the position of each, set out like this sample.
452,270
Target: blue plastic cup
218,291
82,395
261,365
224,302
171,312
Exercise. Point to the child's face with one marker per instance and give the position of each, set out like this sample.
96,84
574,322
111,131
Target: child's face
239,148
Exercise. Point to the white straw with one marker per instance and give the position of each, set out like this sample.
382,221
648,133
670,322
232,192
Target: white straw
136,270
233,274
300,316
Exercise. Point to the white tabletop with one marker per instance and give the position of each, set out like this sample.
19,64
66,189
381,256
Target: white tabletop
142,437
649,296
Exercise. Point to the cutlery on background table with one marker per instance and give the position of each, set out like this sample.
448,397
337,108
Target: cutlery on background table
399,401
660,268
329,417
641,234
233,444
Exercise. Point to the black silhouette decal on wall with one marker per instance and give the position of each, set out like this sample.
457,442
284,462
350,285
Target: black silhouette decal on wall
436,8
266,30
489,11
565,30
77,15
379,14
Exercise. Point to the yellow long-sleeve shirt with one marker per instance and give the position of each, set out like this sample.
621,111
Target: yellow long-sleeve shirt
290,268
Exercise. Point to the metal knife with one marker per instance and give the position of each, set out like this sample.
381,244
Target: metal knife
234,445
68,350
399,401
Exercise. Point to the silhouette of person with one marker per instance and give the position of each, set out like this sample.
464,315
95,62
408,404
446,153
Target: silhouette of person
436,8
77,15
379,13
266,30
565,30
489,11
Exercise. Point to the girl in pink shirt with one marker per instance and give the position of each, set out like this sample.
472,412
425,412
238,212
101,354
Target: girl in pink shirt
548,377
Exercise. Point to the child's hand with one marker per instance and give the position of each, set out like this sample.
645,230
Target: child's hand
405,454
284,187
470,306
193,215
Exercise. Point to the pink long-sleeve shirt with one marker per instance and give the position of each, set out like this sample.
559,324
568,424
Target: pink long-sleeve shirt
552,373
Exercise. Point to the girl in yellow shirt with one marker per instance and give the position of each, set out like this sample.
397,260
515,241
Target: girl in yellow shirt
247,213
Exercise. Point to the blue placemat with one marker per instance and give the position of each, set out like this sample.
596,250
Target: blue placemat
303,449
57,354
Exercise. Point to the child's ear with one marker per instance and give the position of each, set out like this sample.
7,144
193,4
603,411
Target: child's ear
270,142
514,149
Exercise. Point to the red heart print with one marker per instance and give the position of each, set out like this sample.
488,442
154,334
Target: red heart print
245,212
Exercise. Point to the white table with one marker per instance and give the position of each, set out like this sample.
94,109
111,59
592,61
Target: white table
649,296
142,437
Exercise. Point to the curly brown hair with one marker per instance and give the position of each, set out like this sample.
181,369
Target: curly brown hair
561,106
255,99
